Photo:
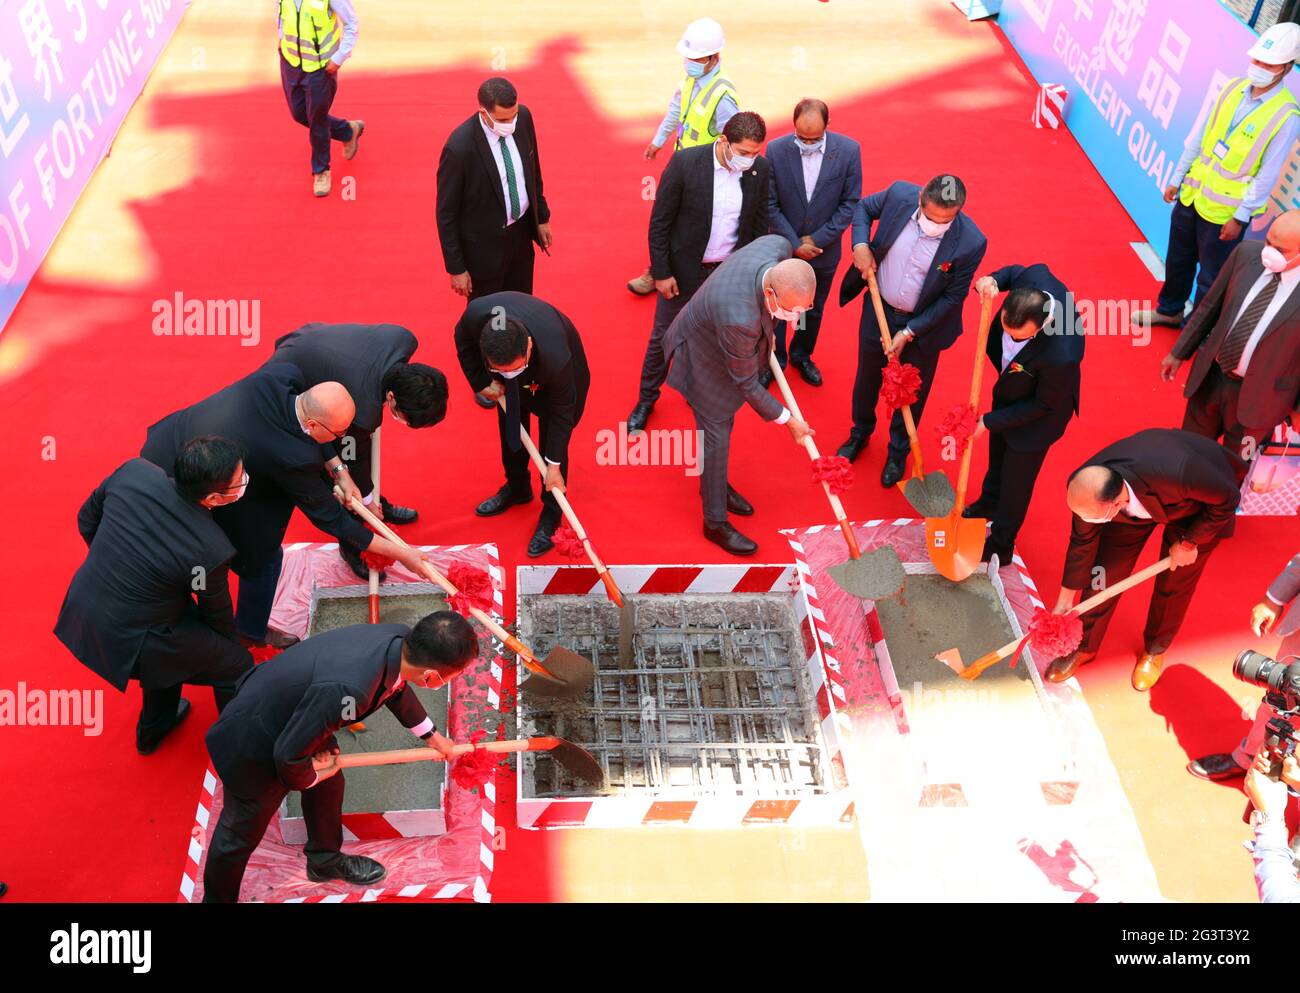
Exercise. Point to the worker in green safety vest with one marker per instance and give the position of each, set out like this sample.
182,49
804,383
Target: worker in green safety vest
1227,172
316,38
699,110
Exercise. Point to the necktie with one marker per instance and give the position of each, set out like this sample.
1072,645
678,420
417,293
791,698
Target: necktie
1235,343
513,188
512,415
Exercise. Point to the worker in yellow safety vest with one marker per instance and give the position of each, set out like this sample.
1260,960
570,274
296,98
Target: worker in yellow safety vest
1227,172
699,110
316,38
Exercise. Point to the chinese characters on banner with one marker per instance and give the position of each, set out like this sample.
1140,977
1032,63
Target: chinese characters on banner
69,72
1140,75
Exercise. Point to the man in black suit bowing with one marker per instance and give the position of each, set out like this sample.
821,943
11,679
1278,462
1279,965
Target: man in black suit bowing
1244,342
1158,476
151,602
1035,345
277,735
373,362
287,433
712,200
519,347
491,208
925,252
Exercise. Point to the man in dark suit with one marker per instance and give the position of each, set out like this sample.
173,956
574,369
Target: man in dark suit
718,345
1244,342
1035,345
519,347
1157,476
816,183
712,199
152,602
928,251
277,735
373,362
491,208
286,432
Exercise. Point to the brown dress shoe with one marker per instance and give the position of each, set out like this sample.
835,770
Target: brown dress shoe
1147,671
1063,668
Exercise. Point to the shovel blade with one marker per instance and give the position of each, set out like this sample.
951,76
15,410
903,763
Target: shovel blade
578,761
955,544
952,659
930,495
573,674
877,575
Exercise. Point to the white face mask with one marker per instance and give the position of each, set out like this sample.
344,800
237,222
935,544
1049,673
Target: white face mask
737,162
502,129
1273,260
780,313
931,229
1101,520
1259,76
512,373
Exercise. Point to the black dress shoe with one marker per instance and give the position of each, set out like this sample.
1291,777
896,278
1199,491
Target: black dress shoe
636,421
501,501
355,869
893,471
394,514
810,373
852,448
729,539
978,509
356,563
484,402
1218,768
147,744
541,542
765,378
737,504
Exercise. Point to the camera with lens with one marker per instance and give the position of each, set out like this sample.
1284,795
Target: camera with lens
1281,685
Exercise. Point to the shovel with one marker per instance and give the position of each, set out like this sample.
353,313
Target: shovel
611,587
952,657
564,674
873,576
930,496
956,543
574,758
374,479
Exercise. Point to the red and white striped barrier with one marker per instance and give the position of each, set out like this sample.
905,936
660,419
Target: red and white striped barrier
1049,106
309,568
704,812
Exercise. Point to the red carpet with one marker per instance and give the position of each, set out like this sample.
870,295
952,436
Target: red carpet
86,818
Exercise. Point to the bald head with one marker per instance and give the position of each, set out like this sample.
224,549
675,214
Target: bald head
793,283
327,410
1096,493
1284,235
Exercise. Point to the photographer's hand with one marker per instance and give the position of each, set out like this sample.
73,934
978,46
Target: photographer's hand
1267,795
1291,772
1262,617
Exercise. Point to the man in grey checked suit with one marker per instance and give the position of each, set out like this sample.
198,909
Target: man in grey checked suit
719,345
1284,590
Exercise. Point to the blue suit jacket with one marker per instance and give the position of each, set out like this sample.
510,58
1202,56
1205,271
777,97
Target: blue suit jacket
937,318
828,213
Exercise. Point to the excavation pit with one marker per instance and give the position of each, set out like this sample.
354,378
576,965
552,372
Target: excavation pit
718,701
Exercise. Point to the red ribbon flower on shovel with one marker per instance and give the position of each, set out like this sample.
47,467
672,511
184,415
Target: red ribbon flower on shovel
374,560
901,384
958,424
472,771
475,588
1051,635
835,471
567,542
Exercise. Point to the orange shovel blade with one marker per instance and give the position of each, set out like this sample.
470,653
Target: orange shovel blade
955,544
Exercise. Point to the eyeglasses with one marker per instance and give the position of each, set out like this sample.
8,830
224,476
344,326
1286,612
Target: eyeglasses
235,489
334,435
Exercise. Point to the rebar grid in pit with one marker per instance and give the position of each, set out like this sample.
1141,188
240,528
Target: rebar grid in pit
715,702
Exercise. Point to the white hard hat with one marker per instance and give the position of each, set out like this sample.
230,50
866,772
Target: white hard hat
1278,45
701,38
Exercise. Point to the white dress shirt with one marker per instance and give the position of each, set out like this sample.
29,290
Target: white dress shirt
1284,289
1011,348
725,228
1133,508
521,190
811,159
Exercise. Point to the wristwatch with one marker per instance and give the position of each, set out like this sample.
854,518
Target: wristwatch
338,470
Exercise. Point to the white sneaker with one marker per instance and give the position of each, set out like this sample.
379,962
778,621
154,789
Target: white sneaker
320,183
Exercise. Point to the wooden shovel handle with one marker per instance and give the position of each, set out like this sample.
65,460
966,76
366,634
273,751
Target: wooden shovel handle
373,579
976,380
984,661
810,446
918,464
525,654
404,755
611,587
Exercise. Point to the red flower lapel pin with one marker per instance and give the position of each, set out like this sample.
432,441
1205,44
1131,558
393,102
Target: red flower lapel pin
945,267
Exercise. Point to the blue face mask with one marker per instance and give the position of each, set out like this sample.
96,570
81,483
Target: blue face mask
814,148
693,69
